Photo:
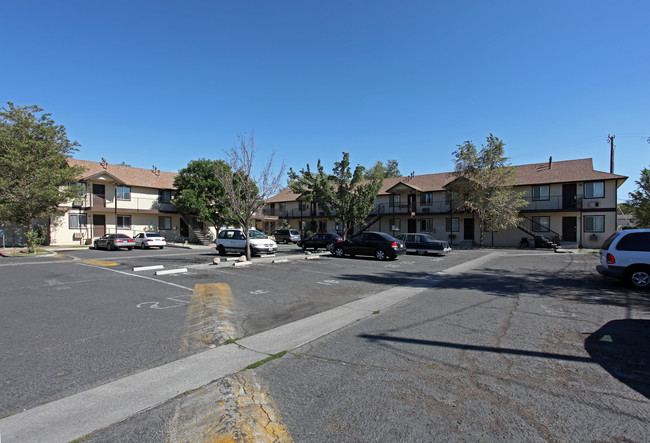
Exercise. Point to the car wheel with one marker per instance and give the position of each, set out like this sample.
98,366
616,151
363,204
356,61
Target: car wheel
380,255
96,245
142,246
421,252
130,248
285,241
221,250
161,247
110,246
338,252
328,246
639,277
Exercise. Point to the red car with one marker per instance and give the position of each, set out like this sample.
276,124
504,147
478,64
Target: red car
114,241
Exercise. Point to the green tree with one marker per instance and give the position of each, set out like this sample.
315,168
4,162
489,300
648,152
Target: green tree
381,171
640,199
245,192
486,182
199,192
34,171
343,195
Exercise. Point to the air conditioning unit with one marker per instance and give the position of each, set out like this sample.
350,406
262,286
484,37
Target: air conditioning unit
425,210
593,237
594,204
76,203
78,235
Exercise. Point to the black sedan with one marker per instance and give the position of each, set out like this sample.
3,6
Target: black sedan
376,244
114,241
317,241
424,244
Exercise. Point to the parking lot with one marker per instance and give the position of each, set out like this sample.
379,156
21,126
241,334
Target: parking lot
86,317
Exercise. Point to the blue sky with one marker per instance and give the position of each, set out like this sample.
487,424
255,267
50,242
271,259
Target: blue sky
166,82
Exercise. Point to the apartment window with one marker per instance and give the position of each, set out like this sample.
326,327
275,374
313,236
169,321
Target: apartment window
164,196
123,192
395,200
322,226
426,225
541,192
541,224
283,209
302,206
426,199
164,222
396,224
76,221
79,187
594,223
123,222
452,224
595,190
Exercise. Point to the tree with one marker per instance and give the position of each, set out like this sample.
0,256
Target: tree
343,195
244,192
380,171
200,194
486,182
34,171
640,199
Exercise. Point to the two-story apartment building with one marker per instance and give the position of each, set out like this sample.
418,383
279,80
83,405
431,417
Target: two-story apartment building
119,199
568,201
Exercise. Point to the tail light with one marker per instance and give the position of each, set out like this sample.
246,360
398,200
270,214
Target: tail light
394,245
610,259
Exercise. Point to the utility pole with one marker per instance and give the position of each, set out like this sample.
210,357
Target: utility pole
611,154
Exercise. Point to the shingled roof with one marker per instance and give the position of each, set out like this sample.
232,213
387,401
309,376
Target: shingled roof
127,175
567,171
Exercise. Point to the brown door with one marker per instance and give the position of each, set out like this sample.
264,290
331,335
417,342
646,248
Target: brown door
569,229
99,225
99,196
569,197
468,229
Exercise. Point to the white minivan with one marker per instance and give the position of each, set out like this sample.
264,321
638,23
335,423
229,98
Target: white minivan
626,255
234,240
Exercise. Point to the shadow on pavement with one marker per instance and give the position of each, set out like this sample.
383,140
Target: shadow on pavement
622,348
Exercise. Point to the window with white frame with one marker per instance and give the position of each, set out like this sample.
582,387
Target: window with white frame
79,187
541,224
123,222
76,221
594,223
595,190
164,222
123,192
452,224
426,225
426,198
541,192
396,224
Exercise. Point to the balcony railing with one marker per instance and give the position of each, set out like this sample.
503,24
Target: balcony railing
101,202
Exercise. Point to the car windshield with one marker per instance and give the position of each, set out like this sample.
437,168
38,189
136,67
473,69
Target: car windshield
256,234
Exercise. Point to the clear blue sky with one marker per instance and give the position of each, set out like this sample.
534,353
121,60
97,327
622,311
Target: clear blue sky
166,82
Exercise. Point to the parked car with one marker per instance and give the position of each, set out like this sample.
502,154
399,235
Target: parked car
424,244
286,235
317,241
376,244
234,240
149,239
114,241
626,255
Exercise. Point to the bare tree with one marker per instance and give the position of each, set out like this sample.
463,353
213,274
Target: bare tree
244,192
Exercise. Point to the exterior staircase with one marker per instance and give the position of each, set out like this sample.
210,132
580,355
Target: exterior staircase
539,241
203,237
374,216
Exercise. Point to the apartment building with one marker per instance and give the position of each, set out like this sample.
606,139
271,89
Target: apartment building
119,199
569,203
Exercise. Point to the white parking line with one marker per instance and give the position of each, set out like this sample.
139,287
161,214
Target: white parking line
138,276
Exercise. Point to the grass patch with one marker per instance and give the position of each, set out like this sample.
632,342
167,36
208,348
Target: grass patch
229,341
376,312
266,360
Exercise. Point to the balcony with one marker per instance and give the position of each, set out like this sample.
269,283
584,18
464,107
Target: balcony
100,202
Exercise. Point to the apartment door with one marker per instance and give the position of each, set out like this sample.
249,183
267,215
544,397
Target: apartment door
569,229
184,230
569,196
412,225
99,196
412,204
99,225
468,229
